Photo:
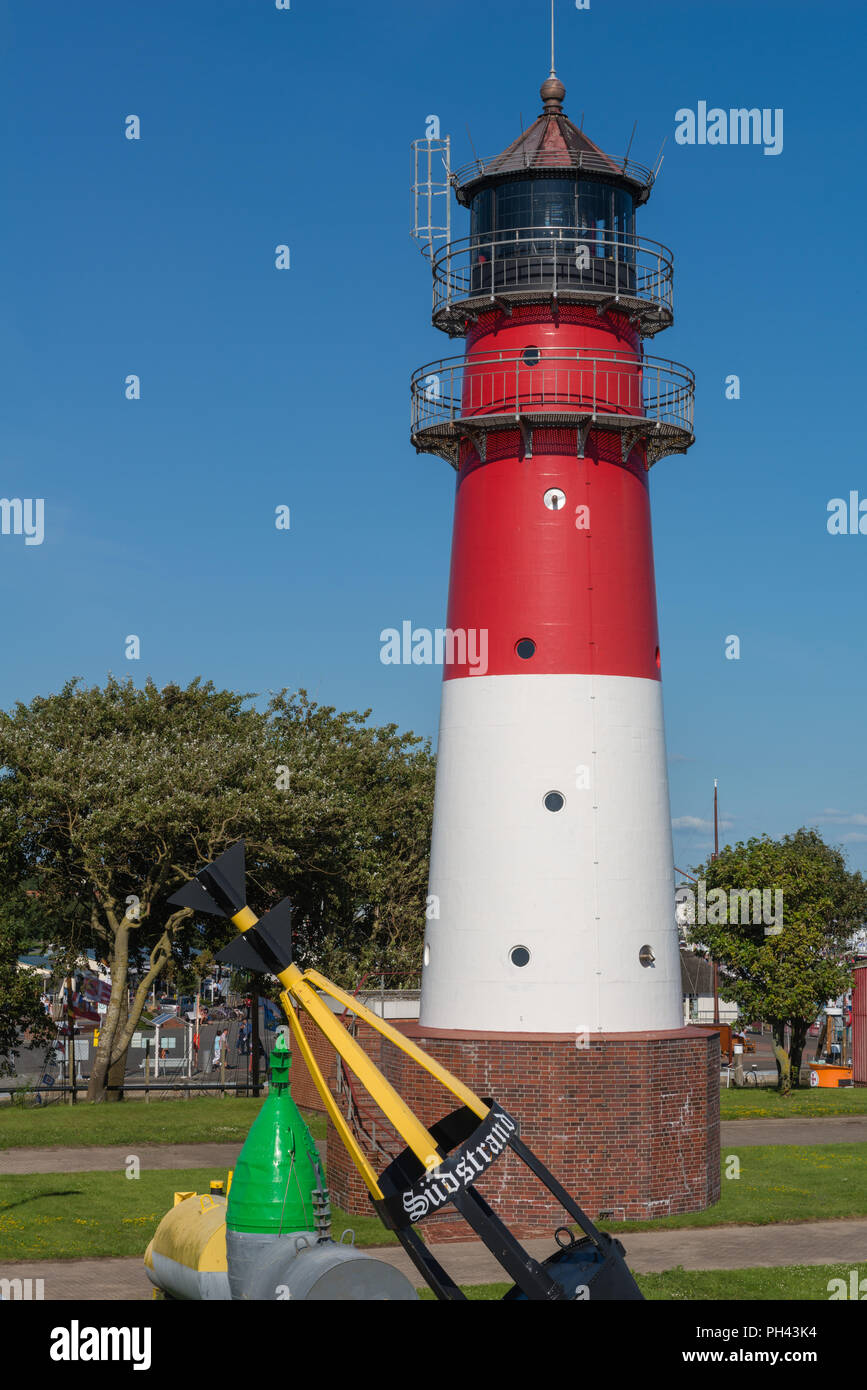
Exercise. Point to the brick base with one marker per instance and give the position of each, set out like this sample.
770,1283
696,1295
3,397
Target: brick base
629,1125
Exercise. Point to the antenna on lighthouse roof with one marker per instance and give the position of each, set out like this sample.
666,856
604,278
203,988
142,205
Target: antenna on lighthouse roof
553,69
658,165
552,90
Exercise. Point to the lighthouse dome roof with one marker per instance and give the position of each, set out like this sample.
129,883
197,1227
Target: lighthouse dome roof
552,142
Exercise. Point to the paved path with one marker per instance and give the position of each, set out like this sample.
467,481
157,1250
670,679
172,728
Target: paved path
112,1157
85,1281
836,1129
720,1247
737,1247
648,1252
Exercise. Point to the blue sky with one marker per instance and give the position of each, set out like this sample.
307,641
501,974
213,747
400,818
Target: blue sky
261,388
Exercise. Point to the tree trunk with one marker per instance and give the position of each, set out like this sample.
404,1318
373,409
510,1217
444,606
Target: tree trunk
117,964
784,1065
117,1069
798,1043
121,1019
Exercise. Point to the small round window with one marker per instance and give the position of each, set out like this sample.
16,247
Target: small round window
554,801
646,956
426,954
519,955
554,499
658,659
531,356
525,648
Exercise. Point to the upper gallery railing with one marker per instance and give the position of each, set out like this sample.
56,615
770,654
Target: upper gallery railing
555,260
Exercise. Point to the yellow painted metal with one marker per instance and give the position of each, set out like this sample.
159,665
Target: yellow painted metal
298,985
337,1119
433,1068
182,1197
193,1234
398,1112
229,1176
290,976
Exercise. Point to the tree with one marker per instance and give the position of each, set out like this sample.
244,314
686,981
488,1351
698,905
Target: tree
357,830
784,976
118,795
111,798
20,1005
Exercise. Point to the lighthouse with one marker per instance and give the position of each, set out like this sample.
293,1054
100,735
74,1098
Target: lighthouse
551,970
551,876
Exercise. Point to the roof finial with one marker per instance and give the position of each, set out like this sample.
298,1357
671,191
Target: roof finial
552,90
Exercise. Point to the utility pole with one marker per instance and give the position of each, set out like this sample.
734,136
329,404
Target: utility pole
254,1032
70,1044
716,856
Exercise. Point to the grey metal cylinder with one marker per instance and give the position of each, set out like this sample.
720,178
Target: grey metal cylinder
292,1267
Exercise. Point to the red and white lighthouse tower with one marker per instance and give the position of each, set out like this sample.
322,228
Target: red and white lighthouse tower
551,865
551,975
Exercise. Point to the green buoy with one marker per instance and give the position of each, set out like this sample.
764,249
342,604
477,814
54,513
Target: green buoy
278,1168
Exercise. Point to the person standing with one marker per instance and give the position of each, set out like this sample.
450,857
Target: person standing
218,1046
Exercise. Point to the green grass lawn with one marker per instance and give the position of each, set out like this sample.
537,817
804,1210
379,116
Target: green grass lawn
801,1283
212,1119
798,1283
204,1119
780,1182
73,1215
805,1103
87,1215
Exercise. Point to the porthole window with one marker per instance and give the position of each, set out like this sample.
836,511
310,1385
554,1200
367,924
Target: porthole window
554,801
426,954
658,659
531,356
519,955
554,499
525,648
646,956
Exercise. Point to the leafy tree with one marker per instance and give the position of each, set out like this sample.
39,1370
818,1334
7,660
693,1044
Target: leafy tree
358,859
111,798
118,794
20,1008
785,977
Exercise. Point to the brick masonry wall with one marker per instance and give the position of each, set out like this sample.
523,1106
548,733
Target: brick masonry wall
304,1093
629,1125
